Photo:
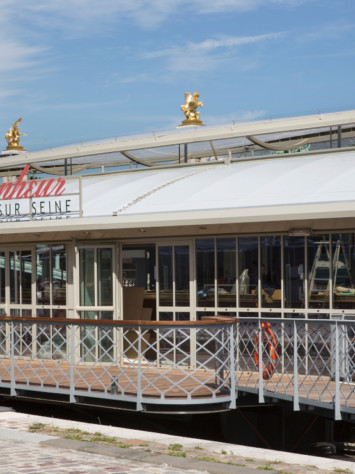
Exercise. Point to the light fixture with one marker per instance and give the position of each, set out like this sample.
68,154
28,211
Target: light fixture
142,230
299,232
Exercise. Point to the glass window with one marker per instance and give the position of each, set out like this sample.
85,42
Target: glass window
205,270
248,271
182,275
226,272
318,271
21,277
51,276
43,274
95,274
343,248
59,274
87,277
138,263
104,277
166,276
270,271
294,271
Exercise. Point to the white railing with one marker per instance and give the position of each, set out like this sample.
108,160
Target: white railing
183,365
307,361
145,363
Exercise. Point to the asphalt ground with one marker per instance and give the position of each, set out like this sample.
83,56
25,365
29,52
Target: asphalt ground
35,444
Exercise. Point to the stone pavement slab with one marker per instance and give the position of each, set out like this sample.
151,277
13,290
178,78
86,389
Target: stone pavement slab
39,452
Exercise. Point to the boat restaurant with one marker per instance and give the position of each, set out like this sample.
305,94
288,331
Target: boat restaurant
160,233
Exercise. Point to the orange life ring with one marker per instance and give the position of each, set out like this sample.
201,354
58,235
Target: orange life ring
272,344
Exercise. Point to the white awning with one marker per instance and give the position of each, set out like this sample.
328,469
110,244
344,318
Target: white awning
281,188
256,184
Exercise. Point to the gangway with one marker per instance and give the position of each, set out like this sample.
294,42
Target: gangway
311,363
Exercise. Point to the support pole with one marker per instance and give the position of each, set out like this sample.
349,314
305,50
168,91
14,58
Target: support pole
339,136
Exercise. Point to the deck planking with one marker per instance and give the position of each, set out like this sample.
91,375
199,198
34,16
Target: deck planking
169,383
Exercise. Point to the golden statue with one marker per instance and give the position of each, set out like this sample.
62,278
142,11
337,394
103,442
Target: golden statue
189,109
13,136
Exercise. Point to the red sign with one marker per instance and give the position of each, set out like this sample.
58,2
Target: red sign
33,188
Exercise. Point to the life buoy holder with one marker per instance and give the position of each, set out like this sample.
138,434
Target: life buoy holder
266,333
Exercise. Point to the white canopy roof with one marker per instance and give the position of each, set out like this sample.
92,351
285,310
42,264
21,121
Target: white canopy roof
253,184
310,186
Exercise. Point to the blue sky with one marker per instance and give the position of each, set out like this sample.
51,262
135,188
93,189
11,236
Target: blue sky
89,69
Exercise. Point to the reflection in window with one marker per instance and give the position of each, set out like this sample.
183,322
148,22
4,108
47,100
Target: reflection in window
318,271
104,277
205,272
87,277
21,277
343,248
165,276
138,270
51,274
248,271
226,272
182,275
294,271
270,271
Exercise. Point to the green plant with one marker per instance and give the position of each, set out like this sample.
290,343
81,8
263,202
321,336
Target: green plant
120,444
267,467
74,436
223,451
206,458
36,427
177,454
175,447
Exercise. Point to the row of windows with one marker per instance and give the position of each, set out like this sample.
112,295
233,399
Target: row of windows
277,271
316,272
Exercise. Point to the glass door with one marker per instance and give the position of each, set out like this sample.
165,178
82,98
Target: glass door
96,282
20,296
175,302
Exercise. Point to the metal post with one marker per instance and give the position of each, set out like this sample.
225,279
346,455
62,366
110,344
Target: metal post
337,414
261,383
12,351
139,406
72,361
233,388
339,136
296,405
331,137
185,153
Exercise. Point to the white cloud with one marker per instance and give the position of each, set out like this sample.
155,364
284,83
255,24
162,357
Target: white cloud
208,54
81,14
16,55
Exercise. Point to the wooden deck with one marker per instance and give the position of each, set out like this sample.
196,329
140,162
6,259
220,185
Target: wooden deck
167,383
309,388
172,383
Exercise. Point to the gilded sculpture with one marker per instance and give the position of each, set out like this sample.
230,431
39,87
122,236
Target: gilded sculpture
189,109
13,136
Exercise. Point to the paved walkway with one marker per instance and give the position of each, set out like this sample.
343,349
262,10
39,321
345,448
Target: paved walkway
22,451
